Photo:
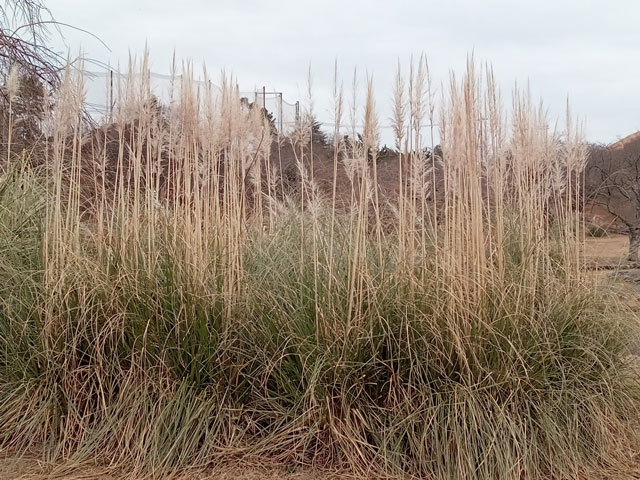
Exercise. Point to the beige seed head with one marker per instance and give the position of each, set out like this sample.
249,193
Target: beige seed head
13,82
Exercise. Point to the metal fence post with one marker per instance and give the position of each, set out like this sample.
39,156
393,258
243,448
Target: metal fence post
280,112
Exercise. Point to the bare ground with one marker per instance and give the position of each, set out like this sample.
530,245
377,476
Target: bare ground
611,250
607,256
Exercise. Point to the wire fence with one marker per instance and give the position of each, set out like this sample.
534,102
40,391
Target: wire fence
286,115
102,87
101,92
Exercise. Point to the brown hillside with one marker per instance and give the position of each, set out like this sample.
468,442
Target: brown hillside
611,158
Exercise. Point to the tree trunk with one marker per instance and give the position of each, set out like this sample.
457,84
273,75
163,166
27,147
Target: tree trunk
634,244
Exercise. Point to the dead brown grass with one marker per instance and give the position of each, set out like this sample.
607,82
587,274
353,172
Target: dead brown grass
32,468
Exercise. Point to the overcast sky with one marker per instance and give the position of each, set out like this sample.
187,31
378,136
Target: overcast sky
586,50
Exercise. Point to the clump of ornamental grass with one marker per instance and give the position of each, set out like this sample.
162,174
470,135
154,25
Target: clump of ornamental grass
184,314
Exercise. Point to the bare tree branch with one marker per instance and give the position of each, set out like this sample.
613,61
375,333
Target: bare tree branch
612,180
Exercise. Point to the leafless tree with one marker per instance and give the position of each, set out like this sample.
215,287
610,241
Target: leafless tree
25,26
613,181
29,73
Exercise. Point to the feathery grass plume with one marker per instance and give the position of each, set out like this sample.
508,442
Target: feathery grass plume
370,141
399,129
399,108
310,120
415,157
496,158
13,83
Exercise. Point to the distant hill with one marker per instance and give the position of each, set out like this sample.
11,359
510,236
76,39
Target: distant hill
626,142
